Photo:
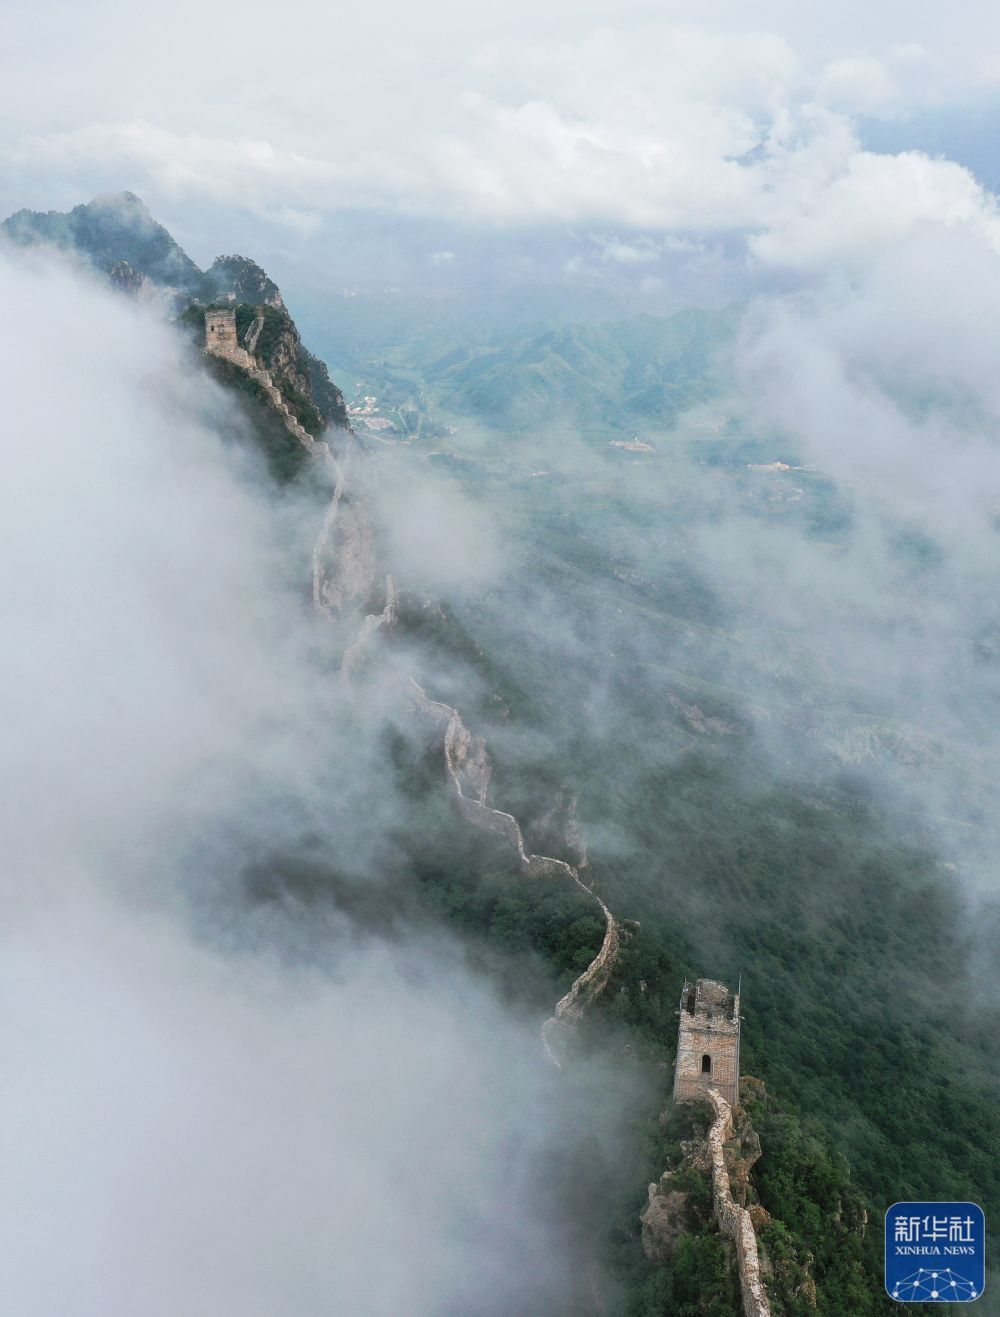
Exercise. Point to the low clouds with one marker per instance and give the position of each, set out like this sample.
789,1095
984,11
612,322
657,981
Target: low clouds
709,121
850,206
887,379
184,1131
431,537
871,610
211,1105
160,674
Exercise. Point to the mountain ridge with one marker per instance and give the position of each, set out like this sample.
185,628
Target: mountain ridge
118,237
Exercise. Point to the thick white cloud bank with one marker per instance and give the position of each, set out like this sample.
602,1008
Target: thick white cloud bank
187,1128
694,117
182,1133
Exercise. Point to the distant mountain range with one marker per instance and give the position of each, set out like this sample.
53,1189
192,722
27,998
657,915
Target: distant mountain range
640,370
644,371
639,373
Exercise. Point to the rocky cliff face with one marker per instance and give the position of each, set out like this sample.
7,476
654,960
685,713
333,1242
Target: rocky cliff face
269,332
125,279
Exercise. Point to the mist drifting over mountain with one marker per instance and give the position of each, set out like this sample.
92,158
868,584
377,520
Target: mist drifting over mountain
547,558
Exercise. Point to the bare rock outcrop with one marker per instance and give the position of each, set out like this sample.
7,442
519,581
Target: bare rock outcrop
560,821
126,279
725,1155
374,622
663,1219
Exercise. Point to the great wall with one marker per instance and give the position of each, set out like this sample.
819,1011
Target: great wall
343,570
222,340
467,763
343,574
734,1220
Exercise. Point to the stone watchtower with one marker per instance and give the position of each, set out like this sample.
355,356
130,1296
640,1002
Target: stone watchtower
222,340
708,1042
220,333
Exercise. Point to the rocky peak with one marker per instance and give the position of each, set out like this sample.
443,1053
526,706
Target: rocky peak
244,280
110,229
125,206
124,278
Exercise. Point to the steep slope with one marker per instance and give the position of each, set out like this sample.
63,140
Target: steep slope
302,377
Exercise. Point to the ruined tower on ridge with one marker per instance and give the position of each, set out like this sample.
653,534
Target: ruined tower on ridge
222,339
708,1042
220,332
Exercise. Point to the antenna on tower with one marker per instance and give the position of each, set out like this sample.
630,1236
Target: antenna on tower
739,984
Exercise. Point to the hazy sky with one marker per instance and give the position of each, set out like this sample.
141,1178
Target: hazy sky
416,138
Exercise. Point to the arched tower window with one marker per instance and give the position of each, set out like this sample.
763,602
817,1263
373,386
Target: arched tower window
706,1064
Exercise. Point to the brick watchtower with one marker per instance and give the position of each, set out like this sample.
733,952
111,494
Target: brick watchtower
222,340
708,1042
220,333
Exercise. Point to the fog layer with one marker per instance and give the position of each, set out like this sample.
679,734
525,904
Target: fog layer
196,1115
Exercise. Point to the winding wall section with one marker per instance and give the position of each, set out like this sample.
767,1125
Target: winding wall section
467,764
468,773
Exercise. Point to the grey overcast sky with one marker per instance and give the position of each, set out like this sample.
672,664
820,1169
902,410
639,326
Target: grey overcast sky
686,120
